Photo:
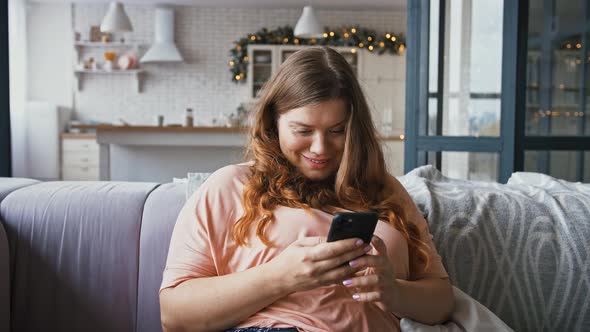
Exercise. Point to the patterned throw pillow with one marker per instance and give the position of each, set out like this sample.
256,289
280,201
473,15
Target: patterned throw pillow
520,250
547,182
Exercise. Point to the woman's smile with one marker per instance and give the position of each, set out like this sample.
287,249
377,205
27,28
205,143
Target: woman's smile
316,163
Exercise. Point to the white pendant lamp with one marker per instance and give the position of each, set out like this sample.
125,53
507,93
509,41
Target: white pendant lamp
308,25
116,20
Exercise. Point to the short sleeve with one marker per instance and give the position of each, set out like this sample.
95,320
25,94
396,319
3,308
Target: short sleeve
190,255
418,270
203,226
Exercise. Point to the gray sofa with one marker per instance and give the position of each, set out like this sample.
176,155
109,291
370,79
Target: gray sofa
88,256
85,256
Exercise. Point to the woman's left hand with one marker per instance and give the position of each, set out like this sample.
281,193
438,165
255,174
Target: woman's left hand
379,284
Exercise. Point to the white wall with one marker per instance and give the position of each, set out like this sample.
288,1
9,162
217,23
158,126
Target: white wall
204,37
49,79
49,51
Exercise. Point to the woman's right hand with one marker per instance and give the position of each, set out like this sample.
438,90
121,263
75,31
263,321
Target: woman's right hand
311,262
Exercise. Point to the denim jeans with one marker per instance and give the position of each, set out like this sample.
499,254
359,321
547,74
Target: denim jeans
263,329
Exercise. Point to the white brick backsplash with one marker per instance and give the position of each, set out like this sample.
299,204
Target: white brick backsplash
204,36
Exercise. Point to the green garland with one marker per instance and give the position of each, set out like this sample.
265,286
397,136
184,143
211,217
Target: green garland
346,36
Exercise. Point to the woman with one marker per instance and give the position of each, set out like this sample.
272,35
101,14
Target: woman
249,250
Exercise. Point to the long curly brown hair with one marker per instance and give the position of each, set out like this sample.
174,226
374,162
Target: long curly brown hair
310,76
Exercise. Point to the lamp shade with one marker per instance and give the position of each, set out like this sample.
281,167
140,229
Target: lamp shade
308,25
116,20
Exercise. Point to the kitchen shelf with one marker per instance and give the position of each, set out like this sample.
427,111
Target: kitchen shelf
135,72
79,46
107,44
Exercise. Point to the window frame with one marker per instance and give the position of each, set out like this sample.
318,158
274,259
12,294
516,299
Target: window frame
511,143
5,144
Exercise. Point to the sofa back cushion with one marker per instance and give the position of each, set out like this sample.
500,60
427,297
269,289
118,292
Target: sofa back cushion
74,250
159,216
520,250
8,185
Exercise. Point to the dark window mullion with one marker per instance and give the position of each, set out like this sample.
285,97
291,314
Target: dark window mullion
546,83
424,68
459,143
5,148
514,60
582,91
416,81
519,89
543,143
442,14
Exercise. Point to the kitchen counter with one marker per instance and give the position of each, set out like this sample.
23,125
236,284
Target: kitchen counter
175,136
78,135
152,153
165,129
180,129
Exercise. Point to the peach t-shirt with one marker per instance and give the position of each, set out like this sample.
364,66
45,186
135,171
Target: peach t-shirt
201,246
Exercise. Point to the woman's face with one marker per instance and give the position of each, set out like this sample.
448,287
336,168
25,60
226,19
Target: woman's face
312,137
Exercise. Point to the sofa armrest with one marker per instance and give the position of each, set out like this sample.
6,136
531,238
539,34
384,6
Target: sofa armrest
7,186
4,281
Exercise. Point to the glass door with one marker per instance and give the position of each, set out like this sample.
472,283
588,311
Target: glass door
454,92
261,69
557,119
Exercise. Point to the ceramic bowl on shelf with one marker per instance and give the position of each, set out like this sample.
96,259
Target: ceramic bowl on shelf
127,61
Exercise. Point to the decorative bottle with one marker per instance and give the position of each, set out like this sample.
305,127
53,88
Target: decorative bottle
188,120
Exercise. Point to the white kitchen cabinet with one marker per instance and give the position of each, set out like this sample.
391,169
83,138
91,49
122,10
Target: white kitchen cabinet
265,60
79,157
386,98
384,66
383,81
382,78
393,151
261,66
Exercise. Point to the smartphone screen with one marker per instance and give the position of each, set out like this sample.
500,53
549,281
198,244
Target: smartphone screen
353,225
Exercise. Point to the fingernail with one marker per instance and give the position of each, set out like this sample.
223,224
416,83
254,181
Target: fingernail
347,282
367,248
356,296
359,242
353,263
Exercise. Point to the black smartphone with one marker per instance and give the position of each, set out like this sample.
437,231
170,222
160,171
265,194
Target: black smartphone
353,225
